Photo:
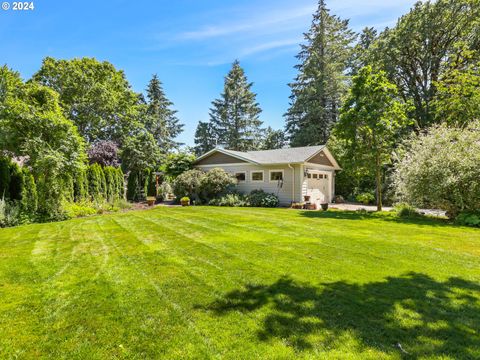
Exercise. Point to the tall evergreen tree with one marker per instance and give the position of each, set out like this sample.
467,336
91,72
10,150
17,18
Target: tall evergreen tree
161,121
274,139
235,115
321,79
205,139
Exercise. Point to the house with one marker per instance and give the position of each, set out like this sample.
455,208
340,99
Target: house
291,173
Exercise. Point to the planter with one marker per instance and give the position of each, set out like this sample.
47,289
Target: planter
311,206
185,202
325,206
151,200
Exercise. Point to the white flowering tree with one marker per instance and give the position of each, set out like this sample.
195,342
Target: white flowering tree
440,168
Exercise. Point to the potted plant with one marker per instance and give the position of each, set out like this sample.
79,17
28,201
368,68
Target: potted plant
185,201
151,200
324,206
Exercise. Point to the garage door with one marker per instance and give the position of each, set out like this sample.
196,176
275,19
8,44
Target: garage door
317,187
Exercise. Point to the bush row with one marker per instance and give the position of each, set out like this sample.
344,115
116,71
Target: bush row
257,198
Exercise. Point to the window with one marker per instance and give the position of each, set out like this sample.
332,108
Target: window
241,176
276,175
326,176
309,176
320,176
257,176
315,176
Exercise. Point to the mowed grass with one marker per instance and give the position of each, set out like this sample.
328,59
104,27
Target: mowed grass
240,283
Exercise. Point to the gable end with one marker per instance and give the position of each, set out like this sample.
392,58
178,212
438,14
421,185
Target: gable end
219,158
321,159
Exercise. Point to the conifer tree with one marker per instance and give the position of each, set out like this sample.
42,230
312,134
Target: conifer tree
321,79
235,115
205,139
161,120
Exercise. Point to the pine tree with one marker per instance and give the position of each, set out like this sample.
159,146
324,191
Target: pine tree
204,138
161,120
274,139
321,80
235,115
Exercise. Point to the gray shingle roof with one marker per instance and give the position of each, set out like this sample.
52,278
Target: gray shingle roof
278,156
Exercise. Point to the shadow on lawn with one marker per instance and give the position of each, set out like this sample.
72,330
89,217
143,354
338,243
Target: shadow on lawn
359,215
424,316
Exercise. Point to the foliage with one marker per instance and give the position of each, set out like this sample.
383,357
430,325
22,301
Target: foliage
365,198
104,153
29,194
160,120
320,83
232,200
4,177
440,169
110,183
94,95
16,182
235,115
273,139
468,219
422,44
132,186
188,184
177,163
204,138
120,184
10,213
164,190
458,92
79,209
151,184
214,183
371,120
96,183
259,198
185,199
405,210
81,186
140,152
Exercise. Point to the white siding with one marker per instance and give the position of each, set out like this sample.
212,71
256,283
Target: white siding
284,193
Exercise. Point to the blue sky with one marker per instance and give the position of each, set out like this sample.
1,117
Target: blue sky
190,44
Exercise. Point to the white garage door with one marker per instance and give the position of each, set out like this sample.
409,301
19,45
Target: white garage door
318,187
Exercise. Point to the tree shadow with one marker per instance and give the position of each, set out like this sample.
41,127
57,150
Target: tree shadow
411,315
384,216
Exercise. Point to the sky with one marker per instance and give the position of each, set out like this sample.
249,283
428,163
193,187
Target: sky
190,44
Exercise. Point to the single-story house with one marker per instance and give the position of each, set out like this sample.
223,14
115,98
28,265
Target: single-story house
290,173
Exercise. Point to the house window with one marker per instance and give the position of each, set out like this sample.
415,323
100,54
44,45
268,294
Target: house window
241,176
326,176
309,176
257,176
320,176
276,175
315,176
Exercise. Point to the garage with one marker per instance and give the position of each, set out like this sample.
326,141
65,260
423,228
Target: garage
318,186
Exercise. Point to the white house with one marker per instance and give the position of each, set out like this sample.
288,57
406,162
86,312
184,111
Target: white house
291,173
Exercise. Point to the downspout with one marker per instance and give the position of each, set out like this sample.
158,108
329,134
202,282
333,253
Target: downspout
293,182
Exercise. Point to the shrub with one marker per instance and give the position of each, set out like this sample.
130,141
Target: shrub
233,200
214,183
188,184
440,169
9,213
68,188
110,183
259,198
81,209
4,178
29,194
95,187
468,219
120,183
16,182
132,186
185,199
151,184
164,189
365,198
81,185
404,210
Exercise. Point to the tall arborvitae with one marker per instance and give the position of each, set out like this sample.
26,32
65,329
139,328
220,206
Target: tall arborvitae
235,116
321,79
161,120
205,139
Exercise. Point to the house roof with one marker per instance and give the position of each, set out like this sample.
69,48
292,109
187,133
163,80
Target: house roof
277,156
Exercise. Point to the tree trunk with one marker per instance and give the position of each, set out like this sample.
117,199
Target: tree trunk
378,180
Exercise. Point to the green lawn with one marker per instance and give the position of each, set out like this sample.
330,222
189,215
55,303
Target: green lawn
240,283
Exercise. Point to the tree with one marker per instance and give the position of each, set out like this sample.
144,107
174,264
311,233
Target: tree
370,121
362,54
458,92
140,152
440,168
205,139
177,163
273,139
94,95
235,115
415,52
160,120
104,153
321,81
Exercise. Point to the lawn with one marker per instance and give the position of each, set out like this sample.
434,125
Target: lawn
240,283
